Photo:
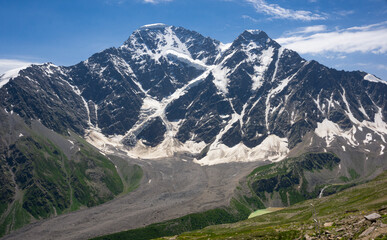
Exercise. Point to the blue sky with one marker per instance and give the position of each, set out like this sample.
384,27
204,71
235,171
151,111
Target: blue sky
342,34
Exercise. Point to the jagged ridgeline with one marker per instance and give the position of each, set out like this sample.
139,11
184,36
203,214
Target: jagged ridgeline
168,90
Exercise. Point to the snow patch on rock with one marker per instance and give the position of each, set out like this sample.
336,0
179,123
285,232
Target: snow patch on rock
372,78
260,69
7,76
170,145
221,80
273,148
329,130
185,59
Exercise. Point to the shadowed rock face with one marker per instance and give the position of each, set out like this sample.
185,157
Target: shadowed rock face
253,89
169,81
153,134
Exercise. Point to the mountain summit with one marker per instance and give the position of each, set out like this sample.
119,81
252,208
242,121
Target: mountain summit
157,109
170,90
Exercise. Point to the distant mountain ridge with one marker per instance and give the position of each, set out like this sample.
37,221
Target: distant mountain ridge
168,89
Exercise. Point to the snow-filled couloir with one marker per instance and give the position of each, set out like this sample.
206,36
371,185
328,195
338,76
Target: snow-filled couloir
169,90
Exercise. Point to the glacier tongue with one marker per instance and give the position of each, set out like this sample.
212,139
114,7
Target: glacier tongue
273,148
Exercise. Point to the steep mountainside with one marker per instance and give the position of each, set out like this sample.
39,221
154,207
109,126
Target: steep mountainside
168,90
44,174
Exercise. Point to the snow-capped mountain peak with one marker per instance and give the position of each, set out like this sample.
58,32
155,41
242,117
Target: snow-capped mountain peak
168,90
156,41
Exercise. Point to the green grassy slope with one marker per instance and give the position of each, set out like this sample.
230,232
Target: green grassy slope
235,212
286,181
130,174
344,210
38,180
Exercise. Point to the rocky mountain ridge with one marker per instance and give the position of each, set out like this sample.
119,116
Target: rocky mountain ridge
168,90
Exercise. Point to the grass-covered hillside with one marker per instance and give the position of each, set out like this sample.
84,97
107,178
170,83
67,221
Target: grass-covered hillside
286,183
233,213
41,179
338,216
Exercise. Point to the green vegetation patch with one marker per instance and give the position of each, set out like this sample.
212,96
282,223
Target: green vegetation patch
353,174
264,211
287,179
236,212
131,174
40,181
343,209
176,226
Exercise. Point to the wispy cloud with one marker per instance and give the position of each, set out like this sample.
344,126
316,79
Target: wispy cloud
344,13
308,29
277,11
250,18
156,1
366,39
8,64
382,66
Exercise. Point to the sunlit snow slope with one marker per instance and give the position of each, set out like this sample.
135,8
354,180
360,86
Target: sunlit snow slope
169,90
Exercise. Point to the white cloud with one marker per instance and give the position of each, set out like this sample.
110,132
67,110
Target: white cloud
309,29
371,38
279,12
250,18
9,64
344,13
156,1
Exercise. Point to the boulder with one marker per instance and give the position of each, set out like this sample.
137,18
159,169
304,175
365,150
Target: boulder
372,217
328,224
